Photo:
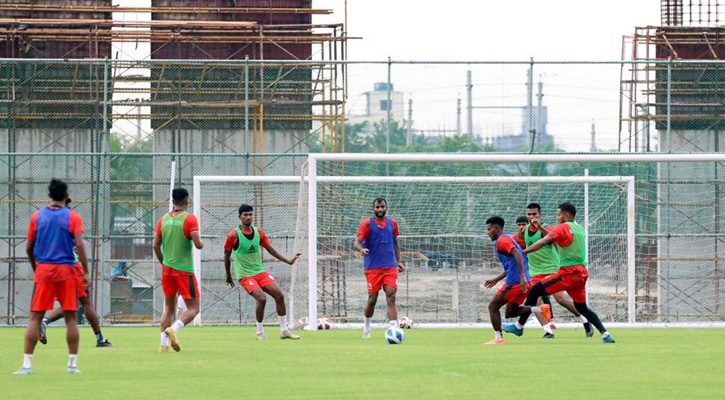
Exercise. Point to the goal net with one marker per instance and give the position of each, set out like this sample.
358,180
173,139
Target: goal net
276,202
441,203
441,209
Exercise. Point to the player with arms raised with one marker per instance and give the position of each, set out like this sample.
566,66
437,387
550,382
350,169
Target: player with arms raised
377,241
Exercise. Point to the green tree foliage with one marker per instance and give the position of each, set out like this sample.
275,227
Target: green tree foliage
130,180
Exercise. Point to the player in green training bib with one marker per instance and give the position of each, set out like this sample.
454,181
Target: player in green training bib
244,245
545,262
176,231
572,276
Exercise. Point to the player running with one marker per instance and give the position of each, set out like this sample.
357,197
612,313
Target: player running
175,233
377,241
545,262
53,233
84,299
244,243
516,273
572,275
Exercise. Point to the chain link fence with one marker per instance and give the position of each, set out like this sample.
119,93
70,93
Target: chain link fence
113,128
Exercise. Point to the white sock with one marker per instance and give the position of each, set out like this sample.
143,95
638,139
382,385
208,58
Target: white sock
499,335
72,360
535,309
27,360
366,322
164,340
547,328
283,323
584,319
177,325
519,326
393,322
260,328
605,334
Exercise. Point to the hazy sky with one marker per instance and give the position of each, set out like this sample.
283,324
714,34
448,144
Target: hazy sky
497,31
458,30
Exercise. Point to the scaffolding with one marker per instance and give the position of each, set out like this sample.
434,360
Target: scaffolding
298,97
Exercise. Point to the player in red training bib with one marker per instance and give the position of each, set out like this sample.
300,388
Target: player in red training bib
572,276
54,232
377,241
176,231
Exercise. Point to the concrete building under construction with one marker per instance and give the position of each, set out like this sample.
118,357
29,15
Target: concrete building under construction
224,77
672,101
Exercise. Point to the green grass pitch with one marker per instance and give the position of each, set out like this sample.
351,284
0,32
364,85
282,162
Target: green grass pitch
227,362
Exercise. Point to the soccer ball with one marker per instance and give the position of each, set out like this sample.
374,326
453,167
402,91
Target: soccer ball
394,335
323,323
405,323
303,322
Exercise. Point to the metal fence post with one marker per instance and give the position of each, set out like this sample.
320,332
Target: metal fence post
389,106
246,102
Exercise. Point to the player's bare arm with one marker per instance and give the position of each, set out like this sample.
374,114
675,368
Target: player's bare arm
548,239
282,258
29,250
522,274
157,248
228,267
196,238
358,246
398,256
489,283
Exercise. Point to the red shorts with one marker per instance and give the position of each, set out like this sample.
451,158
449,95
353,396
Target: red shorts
45,294
379,277
512,294
262,279
174,281
537,278
572,279
79,273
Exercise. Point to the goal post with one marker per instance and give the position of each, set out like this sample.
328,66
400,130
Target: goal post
627,184
276,200
641,263
671,279
309,272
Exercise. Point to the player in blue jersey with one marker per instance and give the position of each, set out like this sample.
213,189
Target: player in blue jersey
377,241
53,233
515,272
84,298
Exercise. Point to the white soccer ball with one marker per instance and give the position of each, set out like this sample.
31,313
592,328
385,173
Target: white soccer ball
303,322
394,335
323,323
405,323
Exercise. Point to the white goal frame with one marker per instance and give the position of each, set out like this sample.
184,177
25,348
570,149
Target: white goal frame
312,227
313,179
